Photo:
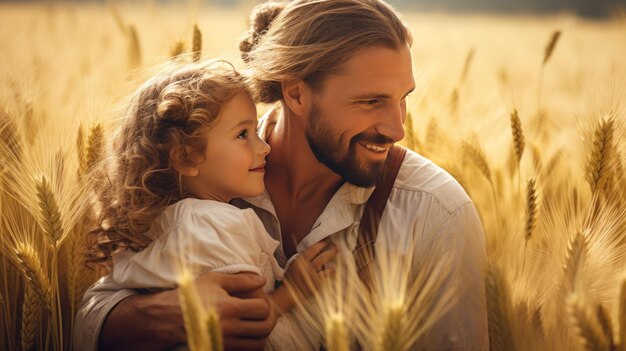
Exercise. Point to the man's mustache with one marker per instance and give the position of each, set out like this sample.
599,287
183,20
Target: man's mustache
372,138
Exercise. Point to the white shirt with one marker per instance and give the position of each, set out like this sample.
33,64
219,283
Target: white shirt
201,235
426,206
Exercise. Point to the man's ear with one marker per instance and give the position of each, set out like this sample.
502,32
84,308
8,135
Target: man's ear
297,96
182,161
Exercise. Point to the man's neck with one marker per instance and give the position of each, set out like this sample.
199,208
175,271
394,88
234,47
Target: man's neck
293,164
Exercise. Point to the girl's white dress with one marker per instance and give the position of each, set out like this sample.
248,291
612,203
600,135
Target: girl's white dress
203,235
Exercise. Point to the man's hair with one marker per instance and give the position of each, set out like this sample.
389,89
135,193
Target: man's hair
308,39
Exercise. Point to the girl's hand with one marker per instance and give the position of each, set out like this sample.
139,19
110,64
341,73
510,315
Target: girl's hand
308,270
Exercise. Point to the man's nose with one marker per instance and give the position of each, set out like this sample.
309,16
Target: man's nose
392,124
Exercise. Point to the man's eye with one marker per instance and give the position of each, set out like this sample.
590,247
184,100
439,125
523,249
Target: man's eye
243,134
369,103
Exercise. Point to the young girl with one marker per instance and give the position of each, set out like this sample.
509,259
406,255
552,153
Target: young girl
186,147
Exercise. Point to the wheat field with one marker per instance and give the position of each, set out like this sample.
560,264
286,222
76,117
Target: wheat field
527,113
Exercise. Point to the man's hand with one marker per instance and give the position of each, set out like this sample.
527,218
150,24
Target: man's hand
154,321
245,315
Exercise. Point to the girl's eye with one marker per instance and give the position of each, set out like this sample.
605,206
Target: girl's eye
243,134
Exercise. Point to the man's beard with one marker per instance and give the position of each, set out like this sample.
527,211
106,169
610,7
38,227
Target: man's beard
344,162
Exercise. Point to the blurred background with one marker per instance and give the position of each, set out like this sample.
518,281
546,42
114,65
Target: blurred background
587,8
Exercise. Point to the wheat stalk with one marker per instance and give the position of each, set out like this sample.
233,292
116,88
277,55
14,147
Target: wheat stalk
467,64
547,54
518,135
554,39
80,149
177,49
336,333
574,262
394,328
477,156
49,214
197,43
193,314
498,304
202,325
432,133
532,205
588,329
215,330
31,267
409,139
10,136
59,168
537,160
95,148
30,317
605,323
551,165
73,263
30,123
619,169
134,51
622,316
601,156
454,101
119,21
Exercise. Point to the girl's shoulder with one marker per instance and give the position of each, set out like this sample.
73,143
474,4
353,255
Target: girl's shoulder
198,212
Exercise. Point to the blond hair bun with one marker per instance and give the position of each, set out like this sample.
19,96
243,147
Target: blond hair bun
260,19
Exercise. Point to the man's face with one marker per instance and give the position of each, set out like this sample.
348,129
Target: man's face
358,114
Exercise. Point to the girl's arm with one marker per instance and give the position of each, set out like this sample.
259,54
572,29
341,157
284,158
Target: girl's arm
281,300
304,275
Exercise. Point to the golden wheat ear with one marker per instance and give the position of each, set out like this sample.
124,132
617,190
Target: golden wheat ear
134,47
554,39
602,154
518,135
196,44
178,48
30,318
532,207
498,305
31,267
590,332
201,323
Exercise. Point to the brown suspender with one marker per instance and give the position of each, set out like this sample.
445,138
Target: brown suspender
365,252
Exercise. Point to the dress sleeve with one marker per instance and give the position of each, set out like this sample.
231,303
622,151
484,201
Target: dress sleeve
205,239
464,326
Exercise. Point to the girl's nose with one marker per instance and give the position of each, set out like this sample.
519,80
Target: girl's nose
264,148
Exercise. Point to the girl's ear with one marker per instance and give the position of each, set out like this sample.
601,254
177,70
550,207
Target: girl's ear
297,96
182,162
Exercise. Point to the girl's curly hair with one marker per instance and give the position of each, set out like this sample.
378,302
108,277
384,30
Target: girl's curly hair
137,181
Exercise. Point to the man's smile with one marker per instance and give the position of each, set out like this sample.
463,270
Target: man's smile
374,149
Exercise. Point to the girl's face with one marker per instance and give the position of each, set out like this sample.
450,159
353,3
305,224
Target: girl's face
234,164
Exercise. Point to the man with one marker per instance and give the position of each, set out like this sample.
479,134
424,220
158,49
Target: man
340,71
